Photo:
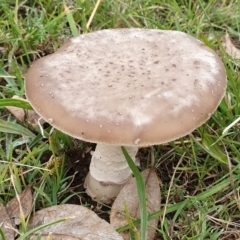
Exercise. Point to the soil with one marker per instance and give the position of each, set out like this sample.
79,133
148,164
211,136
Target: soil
77,167
78,160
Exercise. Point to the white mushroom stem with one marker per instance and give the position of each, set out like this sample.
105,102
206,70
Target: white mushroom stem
109,172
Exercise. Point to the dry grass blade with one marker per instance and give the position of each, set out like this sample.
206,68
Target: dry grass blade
170,186
93,13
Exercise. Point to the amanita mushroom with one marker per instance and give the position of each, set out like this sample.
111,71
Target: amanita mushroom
125,87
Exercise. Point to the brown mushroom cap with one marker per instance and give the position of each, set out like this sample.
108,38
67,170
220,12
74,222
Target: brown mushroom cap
127,86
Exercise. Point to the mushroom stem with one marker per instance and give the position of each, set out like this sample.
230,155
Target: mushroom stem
109,172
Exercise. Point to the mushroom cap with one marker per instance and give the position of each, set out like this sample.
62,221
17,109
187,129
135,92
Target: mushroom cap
127,86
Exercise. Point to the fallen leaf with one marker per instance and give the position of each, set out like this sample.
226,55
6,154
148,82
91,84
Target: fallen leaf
230,47
128,197
14,208
6,224
82,224
23,115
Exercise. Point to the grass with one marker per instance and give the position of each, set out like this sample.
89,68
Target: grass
200,197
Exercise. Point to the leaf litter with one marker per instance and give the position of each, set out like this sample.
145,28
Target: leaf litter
81,223
231,46
18,207
126,205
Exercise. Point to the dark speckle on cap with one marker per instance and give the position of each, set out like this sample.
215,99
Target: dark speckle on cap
127,86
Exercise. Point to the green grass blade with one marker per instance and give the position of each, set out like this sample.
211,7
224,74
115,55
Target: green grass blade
141,194
208,144
2,234
217,188
15,103
188,202
42,226
71,21
10,127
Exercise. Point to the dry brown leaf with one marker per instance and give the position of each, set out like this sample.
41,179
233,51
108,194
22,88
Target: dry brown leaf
129,197
6,224
25,115
13,206
83,224
230,48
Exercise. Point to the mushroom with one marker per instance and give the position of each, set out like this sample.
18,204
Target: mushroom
125,87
